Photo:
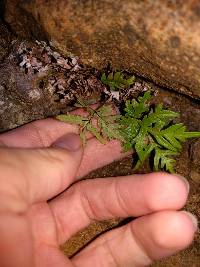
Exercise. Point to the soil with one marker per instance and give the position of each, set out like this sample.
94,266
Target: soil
187,165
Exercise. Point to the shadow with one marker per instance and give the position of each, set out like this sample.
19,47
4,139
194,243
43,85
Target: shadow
32,29
120,224
2,8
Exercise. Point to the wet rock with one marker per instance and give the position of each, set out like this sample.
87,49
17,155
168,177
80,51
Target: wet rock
159,40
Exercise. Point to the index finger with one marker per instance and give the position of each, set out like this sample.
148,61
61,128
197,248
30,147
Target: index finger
40,133
43,133
35,175
37,134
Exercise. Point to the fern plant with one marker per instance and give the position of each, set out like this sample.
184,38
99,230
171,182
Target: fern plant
100,122
117,81
149,131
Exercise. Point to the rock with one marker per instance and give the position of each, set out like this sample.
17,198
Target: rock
21,98
21,22
159,40
195,160
5,41
37,82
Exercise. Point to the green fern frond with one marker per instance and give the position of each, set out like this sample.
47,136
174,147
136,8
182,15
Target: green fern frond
148,131
101,123
136,108
117,81
163,159
75,119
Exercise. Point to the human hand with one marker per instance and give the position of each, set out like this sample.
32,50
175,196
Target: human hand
31,229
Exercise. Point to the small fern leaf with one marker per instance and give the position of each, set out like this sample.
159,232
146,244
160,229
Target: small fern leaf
165,143
103,78
130,81
144,151
178,131
162,159
110,131
75,119
83,137
92,129
117,81
164,114
104,111
136,108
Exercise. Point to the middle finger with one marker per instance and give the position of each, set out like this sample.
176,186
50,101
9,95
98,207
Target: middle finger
102,199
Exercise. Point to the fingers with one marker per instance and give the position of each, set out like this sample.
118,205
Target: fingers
97,155
38,134
41,133
145,239
47,172
39,174
101,199
51,256
44,133
14,230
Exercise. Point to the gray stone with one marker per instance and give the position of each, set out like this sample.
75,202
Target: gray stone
37,82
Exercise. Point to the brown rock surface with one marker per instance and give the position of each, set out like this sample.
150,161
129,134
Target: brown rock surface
159,39
5,41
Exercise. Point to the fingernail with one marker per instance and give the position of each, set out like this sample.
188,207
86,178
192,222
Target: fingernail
193,218
185,181
69,141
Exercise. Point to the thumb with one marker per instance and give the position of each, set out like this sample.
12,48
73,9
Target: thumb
40,174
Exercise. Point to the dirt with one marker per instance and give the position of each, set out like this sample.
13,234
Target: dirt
187,165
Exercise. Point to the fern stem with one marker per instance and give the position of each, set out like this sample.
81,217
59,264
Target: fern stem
192,134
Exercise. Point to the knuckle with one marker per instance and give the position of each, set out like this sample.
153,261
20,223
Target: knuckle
123,198
88,206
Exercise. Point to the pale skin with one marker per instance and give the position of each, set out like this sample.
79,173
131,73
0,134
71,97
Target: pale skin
42,159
